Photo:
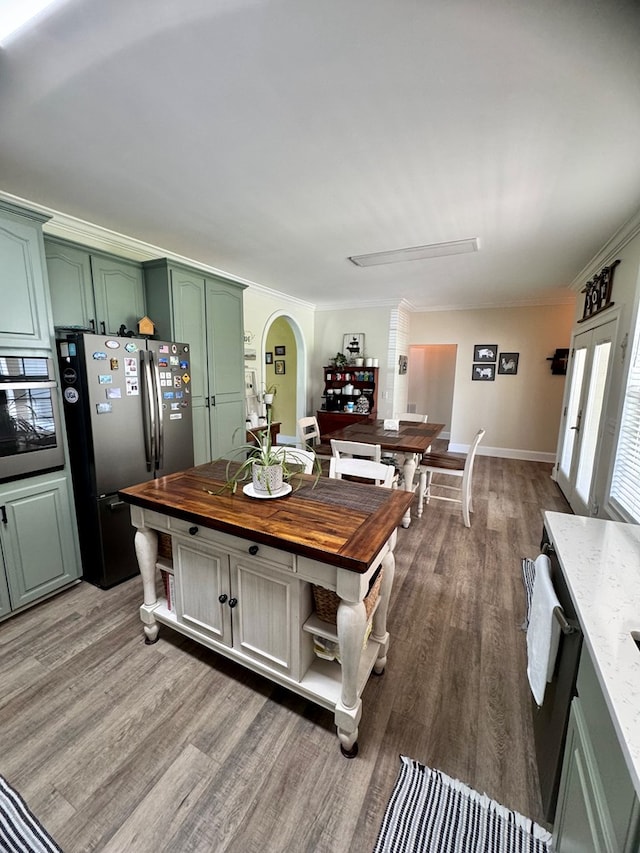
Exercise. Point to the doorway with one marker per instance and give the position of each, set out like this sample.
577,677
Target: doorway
582,422
284,369
431,381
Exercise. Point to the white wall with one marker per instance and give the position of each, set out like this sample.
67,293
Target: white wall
520,413
432,375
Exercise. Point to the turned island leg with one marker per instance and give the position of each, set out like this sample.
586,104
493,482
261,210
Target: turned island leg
352,624
379,631
408,472
146,545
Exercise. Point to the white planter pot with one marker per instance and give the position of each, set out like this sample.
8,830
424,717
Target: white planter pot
268,399
267,478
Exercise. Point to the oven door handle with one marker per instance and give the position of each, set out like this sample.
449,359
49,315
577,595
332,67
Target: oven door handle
24,386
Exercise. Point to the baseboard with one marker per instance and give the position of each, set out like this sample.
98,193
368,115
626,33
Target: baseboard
507,453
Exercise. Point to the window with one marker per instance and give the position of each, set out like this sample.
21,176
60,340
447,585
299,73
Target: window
625,493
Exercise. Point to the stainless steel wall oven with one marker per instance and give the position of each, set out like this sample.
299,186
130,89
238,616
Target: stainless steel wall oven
30,428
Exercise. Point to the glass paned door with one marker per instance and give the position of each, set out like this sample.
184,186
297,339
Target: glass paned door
582,417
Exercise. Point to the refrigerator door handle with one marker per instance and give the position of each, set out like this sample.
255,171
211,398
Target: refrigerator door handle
159,455
148,413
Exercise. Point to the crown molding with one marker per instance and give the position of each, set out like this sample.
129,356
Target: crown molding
66,227
606,254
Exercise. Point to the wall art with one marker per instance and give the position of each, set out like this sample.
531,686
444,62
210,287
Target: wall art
280,350
485,352
353,344
483,372
508,363
279,366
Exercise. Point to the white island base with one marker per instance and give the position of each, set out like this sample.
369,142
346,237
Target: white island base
253,604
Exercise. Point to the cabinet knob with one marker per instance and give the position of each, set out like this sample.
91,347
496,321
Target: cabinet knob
253,550
233,602
222,598
193,530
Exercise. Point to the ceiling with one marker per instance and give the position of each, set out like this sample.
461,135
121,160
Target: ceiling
272,139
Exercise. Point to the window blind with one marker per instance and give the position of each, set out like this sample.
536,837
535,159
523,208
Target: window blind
625,482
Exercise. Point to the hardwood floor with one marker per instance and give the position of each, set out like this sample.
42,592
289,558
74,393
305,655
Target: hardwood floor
119,746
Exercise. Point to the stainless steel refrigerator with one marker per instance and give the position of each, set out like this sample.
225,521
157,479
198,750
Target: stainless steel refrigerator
127,406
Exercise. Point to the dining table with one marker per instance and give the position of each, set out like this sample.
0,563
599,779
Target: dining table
407,443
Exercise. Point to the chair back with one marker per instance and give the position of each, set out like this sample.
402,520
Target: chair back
293,456
471,455
352,449
363,469
413,417
308,431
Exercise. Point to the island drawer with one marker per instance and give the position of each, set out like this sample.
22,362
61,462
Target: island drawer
244,547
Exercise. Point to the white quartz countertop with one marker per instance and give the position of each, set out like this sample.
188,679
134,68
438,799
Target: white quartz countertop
601,563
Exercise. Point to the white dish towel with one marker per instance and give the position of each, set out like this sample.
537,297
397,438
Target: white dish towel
543,633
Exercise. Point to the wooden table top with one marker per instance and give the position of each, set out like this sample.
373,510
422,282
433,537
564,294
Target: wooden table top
410,438
334,521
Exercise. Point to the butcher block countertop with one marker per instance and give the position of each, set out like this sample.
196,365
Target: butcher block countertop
337,522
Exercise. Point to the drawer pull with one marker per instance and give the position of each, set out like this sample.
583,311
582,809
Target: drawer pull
253,550
233,602
223,598
193,530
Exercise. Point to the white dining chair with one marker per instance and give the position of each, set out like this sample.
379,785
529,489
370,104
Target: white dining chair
413,417
295,456
363,469
452,465
358,449
309,435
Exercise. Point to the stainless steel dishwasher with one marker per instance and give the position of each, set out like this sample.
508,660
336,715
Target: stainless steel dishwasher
551,719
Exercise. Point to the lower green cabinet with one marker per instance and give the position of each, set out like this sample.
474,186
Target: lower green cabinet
36,534
598,809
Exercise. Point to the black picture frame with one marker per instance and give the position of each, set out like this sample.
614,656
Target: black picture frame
483,372
508,363
280,350
279,367
403,362
268,358
485,352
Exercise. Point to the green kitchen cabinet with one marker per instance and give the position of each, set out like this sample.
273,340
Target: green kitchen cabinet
191,306
5,602
93,291
598,809
37,538
25,319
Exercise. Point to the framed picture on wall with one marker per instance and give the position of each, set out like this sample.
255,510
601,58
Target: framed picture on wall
508,363
268,358
483,372
279,365
485,352
280,350
353,344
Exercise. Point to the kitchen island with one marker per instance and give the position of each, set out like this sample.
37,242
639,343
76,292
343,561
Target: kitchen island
242,571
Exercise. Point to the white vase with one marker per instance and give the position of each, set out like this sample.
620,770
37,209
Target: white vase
267,478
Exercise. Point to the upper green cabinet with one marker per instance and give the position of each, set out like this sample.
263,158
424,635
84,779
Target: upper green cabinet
25,319
206,312
93,291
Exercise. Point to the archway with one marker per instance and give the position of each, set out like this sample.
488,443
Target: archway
283,344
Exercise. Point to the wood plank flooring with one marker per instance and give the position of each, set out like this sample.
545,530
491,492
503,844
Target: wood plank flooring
119,746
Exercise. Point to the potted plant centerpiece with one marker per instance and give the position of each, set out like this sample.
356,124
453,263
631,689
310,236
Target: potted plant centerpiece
266,468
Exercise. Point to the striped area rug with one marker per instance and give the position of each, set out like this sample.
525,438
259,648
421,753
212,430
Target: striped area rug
20,830
429,812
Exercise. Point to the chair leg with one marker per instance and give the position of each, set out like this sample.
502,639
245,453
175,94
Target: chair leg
422,490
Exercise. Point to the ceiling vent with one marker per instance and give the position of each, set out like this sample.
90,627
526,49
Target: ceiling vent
417,253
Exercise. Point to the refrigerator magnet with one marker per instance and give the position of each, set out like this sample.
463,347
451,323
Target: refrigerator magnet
130,367
114,393
104,408
132,387
105,379
131,347
99,356
111,344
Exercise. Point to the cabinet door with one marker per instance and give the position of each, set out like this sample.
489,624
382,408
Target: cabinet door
201,577
118,289
225,361
263,620
69,271
25,319
37,540
5,603
582,822
190,326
